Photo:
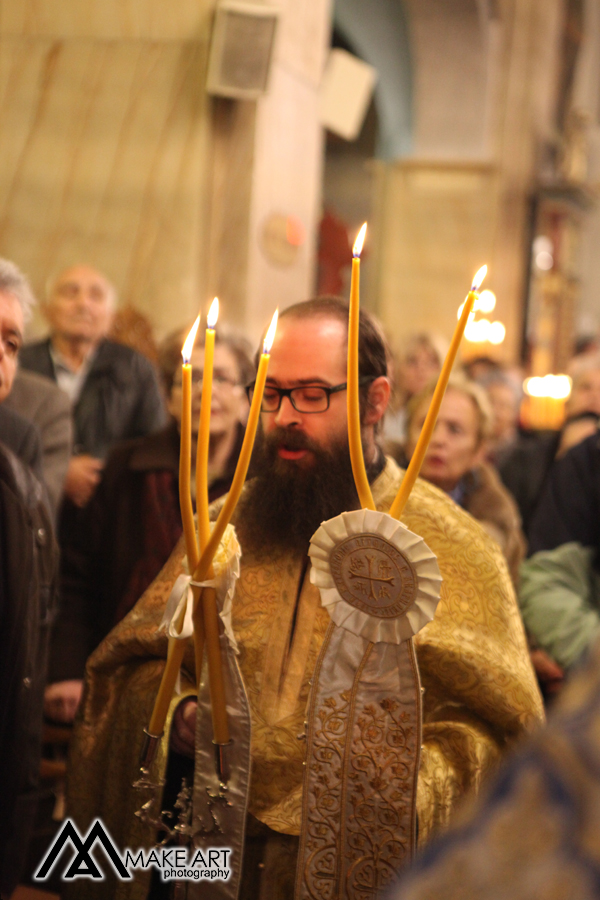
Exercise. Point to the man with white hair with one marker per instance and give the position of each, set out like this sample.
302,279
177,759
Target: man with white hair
16,301
115,396
114,390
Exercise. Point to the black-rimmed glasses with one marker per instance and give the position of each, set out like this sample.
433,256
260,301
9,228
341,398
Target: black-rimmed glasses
307,398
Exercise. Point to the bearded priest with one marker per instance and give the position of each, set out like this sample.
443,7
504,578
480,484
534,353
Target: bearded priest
479,693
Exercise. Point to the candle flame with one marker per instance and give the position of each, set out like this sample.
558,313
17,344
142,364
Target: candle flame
479,278
360,239
186,350
270,335
213,314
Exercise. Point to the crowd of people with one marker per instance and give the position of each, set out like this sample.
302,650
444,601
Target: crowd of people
89,511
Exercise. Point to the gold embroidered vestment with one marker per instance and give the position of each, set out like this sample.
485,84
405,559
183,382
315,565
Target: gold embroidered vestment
480,690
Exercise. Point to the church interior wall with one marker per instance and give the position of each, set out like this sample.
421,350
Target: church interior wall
114,153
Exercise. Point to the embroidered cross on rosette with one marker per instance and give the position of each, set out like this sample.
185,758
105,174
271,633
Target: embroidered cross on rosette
376,578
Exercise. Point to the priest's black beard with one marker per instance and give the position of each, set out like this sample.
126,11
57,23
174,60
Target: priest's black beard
286,502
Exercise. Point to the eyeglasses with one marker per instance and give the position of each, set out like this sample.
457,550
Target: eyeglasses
221,381
309,398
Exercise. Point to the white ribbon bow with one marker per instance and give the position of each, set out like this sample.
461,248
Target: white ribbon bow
182,597
227,569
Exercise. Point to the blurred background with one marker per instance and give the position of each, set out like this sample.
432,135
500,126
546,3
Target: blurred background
195,148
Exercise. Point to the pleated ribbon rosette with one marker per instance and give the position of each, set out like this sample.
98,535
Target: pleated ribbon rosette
376,578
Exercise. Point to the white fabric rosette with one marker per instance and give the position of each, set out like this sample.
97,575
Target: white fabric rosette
370,619
226,568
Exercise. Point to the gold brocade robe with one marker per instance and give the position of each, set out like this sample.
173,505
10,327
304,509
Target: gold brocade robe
480,689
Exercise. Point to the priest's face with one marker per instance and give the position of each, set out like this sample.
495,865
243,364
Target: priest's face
302,464
307,352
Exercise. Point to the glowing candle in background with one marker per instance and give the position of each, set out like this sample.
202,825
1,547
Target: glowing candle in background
544,404
361,481
414,467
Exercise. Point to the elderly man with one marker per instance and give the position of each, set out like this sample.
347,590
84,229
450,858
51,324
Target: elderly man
113,389
114,394
27,573
480,691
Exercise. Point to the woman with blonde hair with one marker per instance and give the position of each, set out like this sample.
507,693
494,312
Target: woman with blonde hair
455,462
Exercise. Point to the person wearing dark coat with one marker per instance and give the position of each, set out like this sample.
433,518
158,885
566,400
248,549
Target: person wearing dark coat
569,509
28,572
113,389
120,398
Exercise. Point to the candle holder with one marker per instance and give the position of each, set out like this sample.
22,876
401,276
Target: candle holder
222,766
187,827
151,814
149,750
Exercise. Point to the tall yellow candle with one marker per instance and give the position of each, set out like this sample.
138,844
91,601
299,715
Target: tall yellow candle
219,710
206,616
243,462
175,655
204,427
176,648
361,481
185,450
414,467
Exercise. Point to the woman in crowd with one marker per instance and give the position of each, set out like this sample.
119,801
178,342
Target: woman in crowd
455,462
419,362
133,521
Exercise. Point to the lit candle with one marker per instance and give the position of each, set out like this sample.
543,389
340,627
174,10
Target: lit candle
414,467
205,614
176,648
204,427
361,481
217,688
175,655
185,449
243,462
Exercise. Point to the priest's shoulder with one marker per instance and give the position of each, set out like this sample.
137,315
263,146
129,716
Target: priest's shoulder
430,510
